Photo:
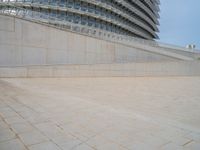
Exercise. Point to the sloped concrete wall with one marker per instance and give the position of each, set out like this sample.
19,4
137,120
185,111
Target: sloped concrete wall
27,43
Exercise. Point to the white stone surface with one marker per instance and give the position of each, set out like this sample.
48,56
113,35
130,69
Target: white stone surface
3,125
6,134
14,120
32,137
44,146
14,144
100,113
21,127
180,68
7,24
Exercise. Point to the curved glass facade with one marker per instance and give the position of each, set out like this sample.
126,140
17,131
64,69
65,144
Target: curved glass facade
137,18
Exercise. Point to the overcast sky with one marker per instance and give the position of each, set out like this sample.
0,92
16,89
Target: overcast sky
180,22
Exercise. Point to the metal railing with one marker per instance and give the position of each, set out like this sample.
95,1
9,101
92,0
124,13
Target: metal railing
85,30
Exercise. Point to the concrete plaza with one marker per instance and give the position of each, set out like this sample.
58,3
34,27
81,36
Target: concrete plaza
143,113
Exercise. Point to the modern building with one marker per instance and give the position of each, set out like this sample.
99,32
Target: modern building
136,18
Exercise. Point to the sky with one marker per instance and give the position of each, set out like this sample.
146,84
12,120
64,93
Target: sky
180,22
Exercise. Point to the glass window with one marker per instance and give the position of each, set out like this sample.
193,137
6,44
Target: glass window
101,25
97,24
84,20
77,4
90,21
84,6
77,19
53,14
62,3
53,2
104,25
28,1
70,3
33,1
61,15
91,8
93,22
69,17
97,10
43,1
102,12
108,26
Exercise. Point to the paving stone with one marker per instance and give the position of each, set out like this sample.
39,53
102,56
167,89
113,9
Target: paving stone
3,125
20,108
49,129
79,131
15,119
6,134
193,146
83,147
32,137
102,143
21,127
44,146
135,145
2,104
13,144
67,141
171,146
7,112
152,140
62,139
194,136
181,140
37,118
102,113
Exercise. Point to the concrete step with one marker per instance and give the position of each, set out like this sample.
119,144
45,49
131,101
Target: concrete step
176,68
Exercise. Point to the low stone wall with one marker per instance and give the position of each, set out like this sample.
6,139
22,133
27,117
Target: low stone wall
181,68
